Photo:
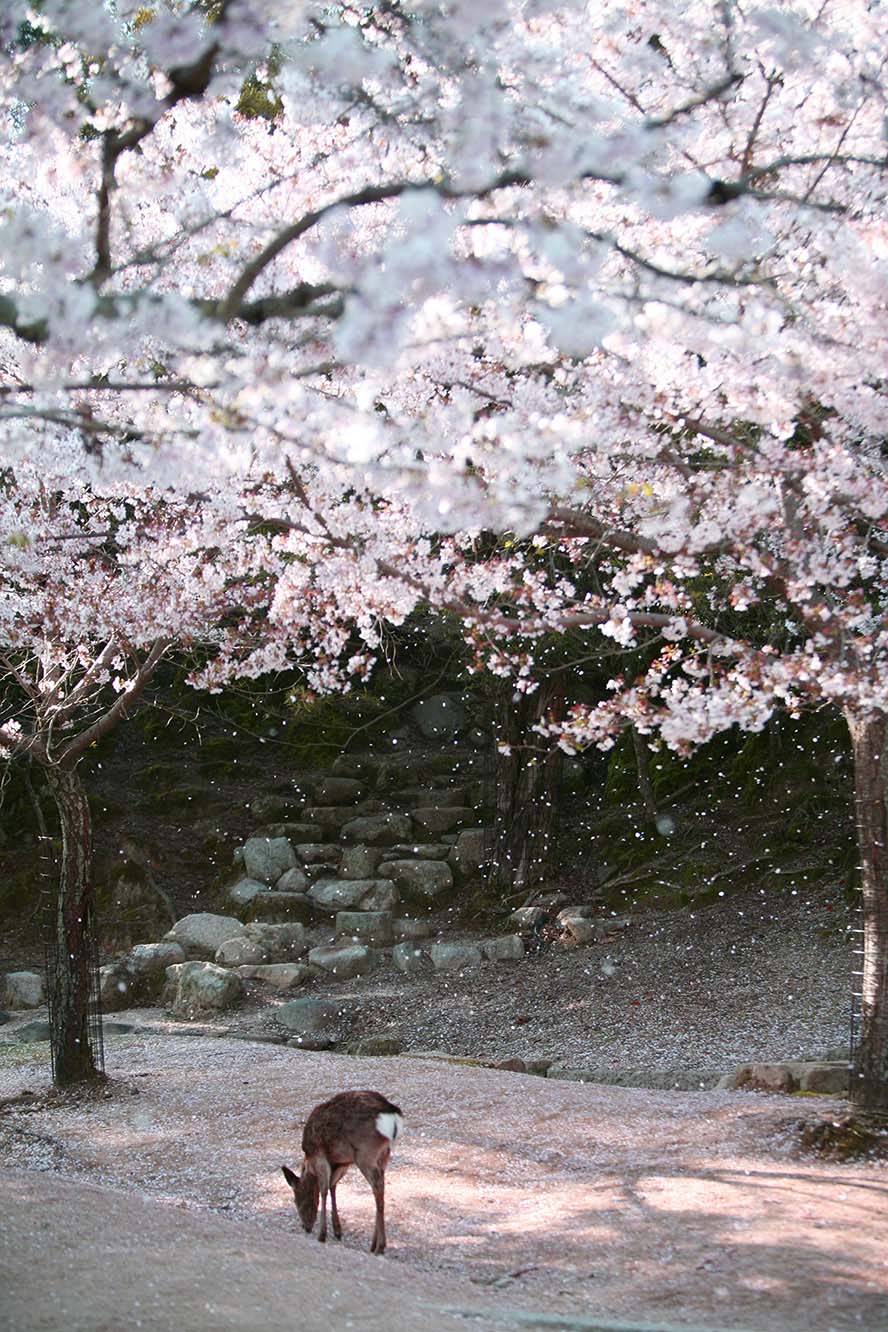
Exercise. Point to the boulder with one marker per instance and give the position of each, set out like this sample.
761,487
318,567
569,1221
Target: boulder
435,819
194,986
138,977
339,791
267,858
420,881
202,933
22,989
293,880
410,958
440,717
343,960
377,829
282,942
279,975
276,906
470,851
506,948
316,853
360,862
370,927
241,893
332,895
314,1024
455,956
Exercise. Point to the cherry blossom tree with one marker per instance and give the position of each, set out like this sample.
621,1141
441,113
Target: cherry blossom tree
608,280
95,590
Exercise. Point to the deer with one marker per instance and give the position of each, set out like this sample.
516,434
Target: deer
352,1128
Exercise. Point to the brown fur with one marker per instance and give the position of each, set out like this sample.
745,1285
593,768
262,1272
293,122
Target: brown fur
339,1133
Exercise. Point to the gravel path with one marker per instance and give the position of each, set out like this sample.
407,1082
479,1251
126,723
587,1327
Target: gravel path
507,1190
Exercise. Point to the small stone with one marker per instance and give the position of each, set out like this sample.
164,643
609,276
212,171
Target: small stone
370,927
274,906
377,829
578,929
36,1030
826,1079
371,1046
282,942
360,862
506,948
267,858
343,962
278,975
243,892
315,1024
407,928
420,881
410,958
314,853
332,895
201,985
455,956
436,820
293,880
439,716
470,851
22,989
526,917
241,951
339,791
201,933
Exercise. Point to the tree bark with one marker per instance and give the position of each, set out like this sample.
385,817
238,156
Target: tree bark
869,1075
526,789
68,983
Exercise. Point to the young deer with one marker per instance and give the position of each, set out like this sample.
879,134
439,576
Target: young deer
353,1128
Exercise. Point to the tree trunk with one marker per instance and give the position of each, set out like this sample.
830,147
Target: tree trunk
869,1076
526,789
68,983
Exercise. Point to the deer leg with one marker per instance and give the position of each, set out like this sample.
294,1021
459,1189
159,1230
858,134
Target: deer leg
375,1177
338,1172
322,1170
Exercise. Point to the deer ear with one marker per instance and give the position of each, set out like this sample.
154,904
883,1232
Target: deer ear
292,1180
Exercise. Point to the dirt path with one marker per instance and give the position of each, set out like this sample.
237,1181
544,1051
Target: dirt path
507,1193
